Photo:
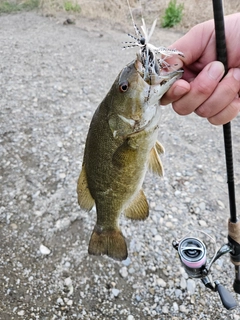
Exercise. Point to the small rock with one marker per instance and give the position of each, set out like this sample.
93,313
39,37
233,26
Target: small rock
21,313
115,292
123,272
183,309
44,250
70,302
138,298
130,317
152,291
175,307
183,283
126,262
178,293
68,282
60,301
220,204
165,309
202,206
131,270
191,286
157,238
202,223
161,283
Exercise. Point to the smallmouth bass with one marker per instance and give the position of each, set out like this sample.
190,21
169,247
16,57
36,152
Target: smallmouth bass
121,145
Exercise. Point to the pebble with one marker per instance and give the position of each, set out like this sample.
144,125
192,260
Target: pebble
175,307
130,317
60,301
138,298
183,309
126,262
21,313
165,310
123,272
191,286
221,204
161,283
115,292
202,206
157,238
202,223
44,250
183,283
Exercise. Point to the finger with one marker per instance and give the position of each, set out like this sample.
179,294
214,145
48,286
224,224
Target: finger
192,49
227,114
177,90
201,88
223,95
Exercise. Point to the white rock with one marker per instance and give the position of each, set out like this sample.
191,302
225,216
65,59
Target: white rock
202,206
130,317
21,313
191,286
115,292
44,250
68,282
175,306
157,237
183,283
123,272
161,283
183,309
165,309
202,223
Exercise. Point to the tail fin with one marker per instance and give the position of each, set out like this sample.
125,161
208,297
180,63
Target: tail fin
109,242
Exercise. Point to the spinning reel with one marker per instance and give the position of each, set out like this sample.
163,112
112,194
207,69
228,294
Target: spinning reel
193,256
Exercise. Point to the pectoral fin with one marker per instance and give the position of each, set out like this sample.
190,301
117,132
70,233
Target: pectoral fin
138,209
155,163
85,200
159,147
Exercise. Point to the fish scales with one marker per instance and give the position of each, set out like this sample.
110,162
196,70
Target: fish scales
121,145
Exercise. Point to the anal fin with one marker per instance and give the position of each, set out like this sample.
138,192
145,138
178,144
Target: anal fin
108,242
85,200
138,209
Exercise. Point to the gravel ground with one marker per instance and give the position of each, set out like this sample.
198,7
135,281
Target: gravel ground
52,78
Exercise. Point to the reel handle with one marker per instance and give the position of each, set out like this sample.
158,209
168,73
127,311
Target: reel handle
227,299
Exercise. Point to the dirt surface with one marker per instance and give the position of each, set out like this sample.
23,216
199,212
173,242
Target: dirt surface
52,77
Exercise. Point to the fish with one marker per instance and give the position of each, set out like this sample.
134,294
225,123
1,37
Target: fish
121,145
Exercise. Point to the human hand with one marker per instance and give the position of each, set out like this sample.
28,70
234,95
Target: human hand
200,89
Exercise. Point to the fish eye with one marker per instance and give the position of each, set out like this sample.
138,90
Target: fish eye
123,86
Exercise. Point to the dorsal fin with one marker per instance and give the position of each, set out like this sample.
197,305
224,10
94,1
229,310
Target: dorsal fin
85,200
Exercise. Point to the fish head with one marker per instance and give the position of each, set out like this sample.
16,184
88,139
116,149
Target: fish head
134,99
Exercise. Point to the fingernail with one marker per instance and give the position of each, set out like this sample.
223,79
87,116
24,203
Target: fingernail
236,74
216,70
179,91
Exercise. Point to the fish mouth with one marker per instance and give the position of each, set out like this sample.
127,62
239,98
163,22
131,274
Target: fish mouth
155,73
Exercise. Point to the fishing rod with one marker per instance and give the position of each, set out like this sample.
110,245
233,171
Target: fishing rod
192,251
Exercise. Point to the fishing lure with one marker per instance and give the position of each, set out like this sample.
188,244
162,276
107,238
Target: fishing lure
148,51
